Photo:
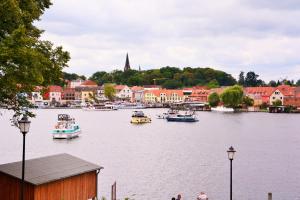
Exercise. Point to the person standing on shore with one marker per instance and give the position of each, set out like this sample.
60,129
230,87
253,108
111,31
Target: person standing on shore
179,197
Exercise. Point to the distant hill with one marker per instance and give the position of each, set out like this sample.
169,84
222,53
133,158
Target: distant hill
168,77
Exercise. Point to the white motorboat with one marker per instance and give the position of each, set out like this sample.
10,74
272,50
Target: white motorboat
222,109
100,107
165,115
65,128
182,117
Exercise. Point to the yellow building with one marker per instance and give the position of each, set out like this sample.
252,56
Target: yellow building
164,96
85,94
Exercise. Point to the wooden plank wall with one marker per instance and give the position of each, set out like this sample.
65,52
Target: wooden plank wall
80,187
10,188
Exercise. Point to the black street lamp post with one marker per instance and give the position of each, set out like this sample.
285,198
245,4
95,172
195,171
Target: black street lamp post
24,125
231,152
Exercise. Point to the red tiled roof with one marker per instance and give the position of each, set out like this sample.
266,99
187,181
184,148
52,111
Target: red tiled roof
120,87
262,91
200,92
89,83
286,90
136,88
54,88
165,91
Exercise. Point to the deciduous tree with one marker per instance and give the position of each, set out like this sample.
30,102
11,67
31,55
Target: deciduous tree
232,96
213,99
25,60
109,91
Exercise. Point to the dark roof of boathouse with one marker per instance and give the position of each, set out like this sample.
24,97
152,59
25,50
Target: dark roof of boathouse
50,168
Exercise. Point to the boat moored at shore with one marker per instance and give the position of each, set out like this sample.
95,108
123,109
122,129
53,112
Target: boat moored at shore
100,107
222,109
65,128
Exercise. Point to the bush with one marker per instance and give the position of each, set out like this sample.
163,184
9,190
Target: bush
248,101
277,103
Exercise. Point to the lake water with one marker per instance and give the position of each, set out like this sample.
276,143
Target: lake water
159,160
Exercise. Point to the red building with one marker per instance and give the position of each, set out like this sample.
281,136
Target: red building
199,95
259,94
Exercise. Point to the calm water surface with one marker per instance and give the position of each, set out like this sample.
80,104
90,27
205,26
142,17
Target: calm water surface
159,160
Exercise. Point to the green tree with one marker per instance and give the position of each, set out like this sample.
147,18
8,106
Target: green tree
213,99
248,101
72,76
213,84
241,80
25,60
278,102
272,83
109,91
232,96
298,83
252,80
172,84
99,77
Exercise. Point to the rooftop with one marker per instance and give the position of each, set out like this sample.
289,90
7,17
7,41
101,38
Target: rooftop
48,169
89,83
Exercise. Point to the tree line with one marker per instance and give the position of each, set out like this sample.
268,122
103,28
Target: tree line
173,77
251,80
168,77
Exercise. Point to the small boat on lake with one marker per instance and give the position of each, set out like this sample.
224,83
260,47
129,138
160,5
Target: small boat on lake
165,115
138,117
101,107
130,106
185,117
222,109
65,128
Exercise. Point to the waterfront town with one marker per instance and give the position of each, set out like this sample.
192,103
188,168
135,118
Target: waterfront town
78,93
200,114
81,93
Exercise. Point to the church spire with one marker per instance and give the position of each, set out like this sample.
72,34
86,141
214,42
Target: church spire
127,65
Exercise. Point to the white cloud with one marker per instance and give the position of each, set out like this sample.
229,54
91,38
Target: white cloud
229,35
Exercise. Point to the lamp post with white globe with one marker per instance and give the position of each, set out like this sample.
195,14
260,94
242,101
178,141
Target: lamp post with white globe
24,125
231,153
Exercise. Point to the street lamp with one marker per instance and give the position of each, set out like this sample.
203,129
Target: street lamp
231,152
24,125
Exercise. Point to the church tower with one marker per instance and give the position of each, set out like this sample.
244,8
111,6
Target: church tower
127,65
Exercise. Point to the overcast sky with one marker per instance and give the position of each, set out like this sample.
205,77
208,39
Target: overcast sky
229,35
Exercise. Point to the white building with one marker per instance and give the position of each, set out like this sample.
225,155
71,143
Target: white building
123,92
75,83
54,93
